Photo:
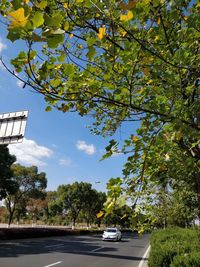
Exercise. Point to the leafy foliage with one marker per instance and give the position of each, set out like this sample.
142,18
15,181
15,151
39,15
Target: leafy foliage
30,184
174,246
79,197
7,185
122,62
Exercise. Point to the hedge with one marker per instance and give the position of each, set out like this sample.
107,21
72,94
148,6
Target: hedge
32,232
174,246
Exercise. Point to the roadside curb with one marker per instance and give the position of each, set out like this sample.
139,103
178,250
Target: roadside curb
144,261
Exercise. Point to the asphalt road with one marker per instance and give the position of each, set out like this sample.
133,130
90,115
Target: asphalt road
73,251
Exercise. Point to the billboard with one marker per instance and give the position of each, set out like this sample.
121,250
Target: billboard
12,127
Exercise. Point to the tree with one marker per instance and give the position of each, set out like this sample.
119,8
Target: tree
35,208
122,62
30,184
93,205
72,198
76,198
6,183
119,217
50,198
3,214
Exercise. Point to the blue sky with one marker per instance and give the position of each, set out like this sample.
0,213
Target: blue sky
58,143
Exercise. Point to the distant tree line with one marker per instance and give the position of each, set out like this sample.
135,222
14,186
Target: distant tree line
25,200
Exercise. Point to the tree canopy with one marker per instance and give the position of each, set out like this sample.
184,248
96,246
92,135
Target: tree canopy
121,62
77,197
30,184
7,185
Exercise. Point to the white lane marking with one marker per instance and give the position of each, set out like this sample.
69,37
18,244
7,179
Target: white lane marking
96,249
144,257
51,246
10,243
58,262
15,244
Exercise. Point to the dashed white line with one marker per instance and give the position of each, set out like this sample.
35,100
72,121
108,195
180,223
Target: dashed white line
58,262
96,249
51,246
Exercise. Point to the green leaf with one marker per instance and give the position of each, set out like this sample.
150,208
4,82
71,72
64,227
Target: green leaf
55,40
16,4
14,34
37,20
68,69
48,108
91,52
53,21
42,4
61,58
32,54
66,26
55,83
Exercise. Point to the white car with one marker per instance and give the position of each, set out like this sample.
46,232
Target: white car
112,234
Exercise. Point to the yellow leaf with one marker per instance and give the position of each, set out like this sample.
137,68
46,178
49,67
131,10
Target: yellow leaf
127,17
66,5
146,2
17,18
100,214
122,32
158,21
26,1
198,5
134,138
167,157
157,38
150,81
57,66
185,18
71,35
102,32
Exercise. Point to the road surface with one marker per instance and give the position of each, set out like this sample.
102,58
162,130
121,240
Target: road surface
73,251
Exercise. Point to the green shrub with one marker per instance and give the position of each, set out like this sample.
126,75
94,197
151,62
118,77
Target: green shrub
168,244
187,260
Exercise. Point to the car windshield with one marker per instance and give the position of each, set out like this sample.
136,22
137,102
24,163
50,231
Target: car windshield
109,230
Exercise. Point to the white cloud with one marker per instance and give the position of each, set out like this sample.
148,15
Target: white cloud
88,149
30,153
65,162
20,83
2,46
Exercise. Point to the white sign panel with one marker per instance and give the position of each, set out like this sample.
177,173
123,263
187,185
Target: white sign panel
12,127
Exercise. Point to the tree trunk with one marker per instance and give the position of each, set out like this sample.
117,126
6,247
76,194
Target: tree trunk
197,189
73,222
11,213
